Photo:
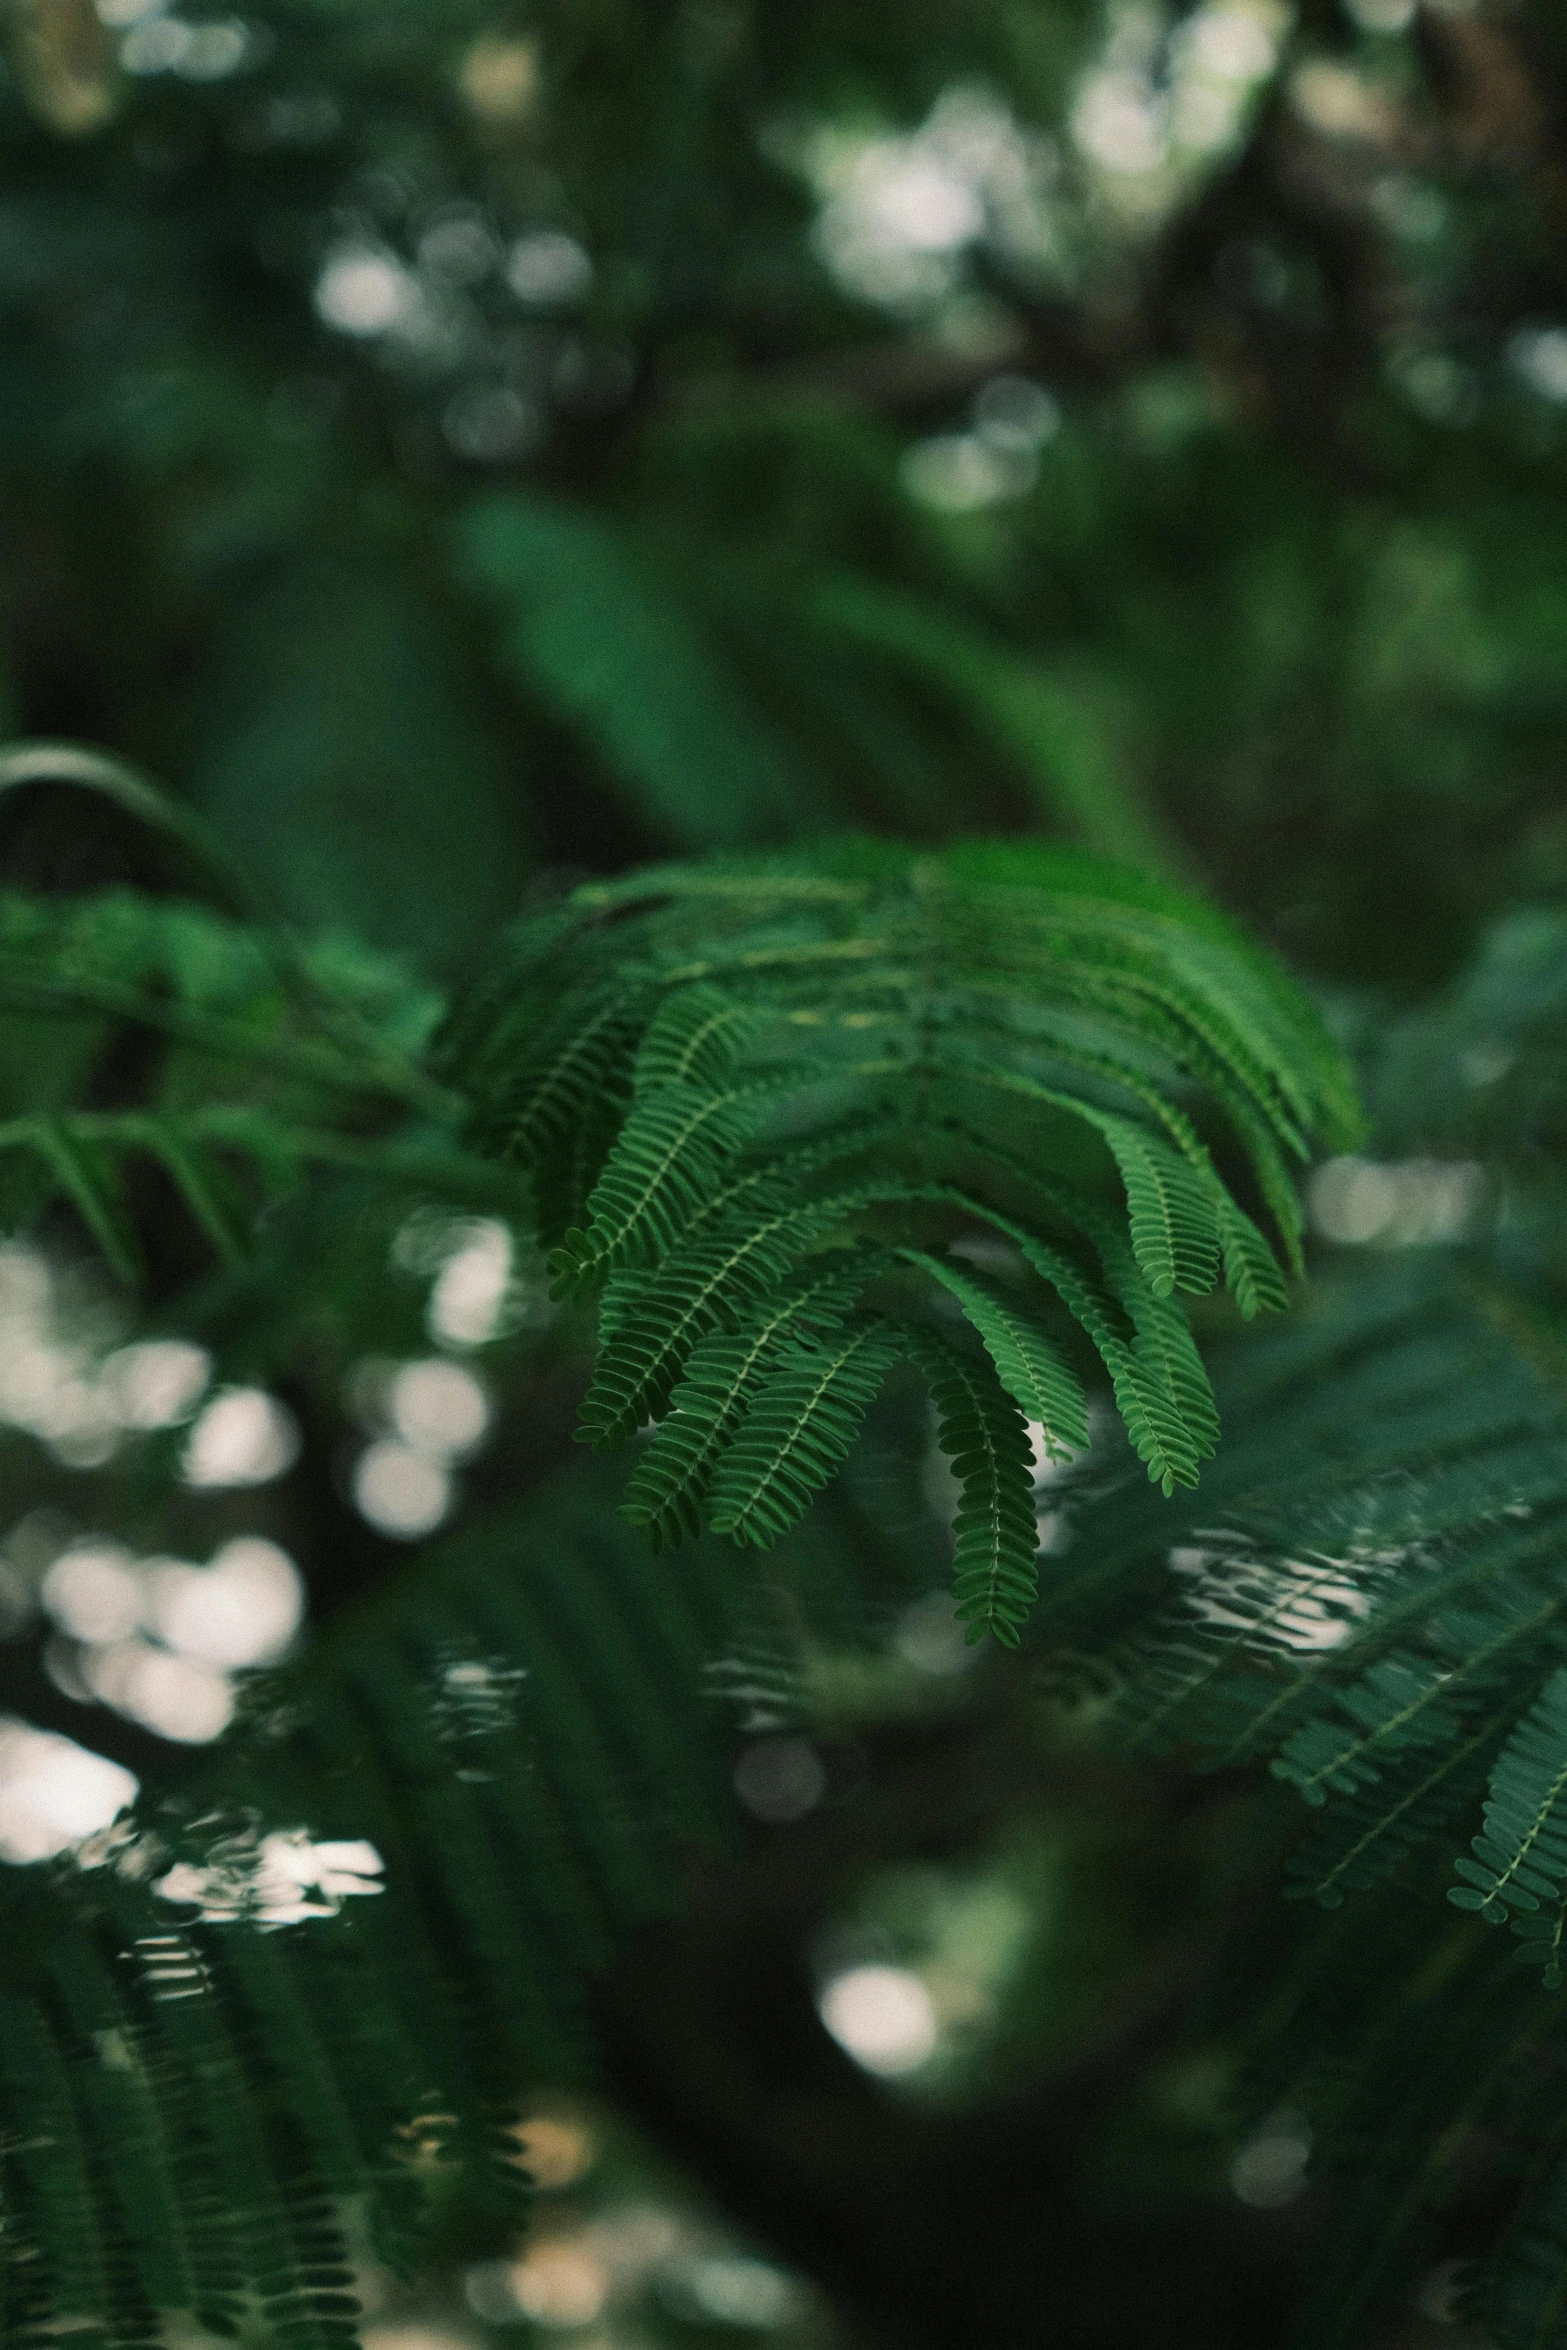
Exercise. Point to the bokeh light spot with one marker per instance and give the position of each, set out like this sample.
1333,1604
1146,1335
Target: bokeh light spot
1270,2169
244,1437
242,1609
173,1696
471,1284
54,1793
555,2150
882,2016
547,268
400,1491
439,1408
780,1779
93,1591
362,291
156,1382
560,2283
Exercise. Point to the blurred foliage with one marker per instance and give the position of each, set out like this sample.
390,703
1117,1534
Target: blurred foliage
464,451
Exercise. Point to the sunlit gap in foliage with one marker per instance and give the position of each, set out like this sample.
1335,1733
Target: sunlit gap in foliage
1361,1202
1297,1605
490,315
925,223
904,214
1158,106
53,1793
152,40
275,1878
243,1437
423,1418
158,1639
63,1379
910,1981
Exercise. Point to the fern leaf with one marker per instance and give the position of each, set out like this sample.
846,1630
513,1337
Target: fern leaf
1049,723
1172,1197
1173,1209
565,1094
995,1579
1396,1704
720,1378
700,1290
710,1279
1250,1266
796,1431
672,1151
1147,1400
692,1039
592,628
1027,1365
52,2188
793,1058
1520,1860
1376,1833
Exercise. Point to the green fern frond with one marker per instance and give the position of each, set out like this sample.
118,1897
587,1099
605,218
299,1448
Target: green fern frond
796,1431
585,1051
201,2099
672,1152
1519,1869
1367,1840
1049,724
1397,1703
87,1176
704,1288
1250,1267
983,1434
721,1375
1028,1366
592,629
868,1049
1374,1605
1172,1196
1173,1209
192,2109
692,1039
330,1017
271,1060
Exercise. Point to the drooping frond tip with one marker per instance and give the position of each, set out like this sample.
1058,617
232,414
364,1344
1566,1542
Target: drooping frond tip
985,1112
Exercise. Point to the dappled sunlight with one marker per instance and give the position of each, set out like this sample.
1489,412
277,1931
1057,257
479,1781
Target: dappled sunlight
54,1794
910,1980
173,1695
243,1437
615,2255
1299,1606
241,1609
158,1638
401,1492
281,1878
60,1383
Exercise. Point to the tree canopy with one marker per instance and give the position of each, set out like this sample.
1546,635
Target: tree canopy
824,745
